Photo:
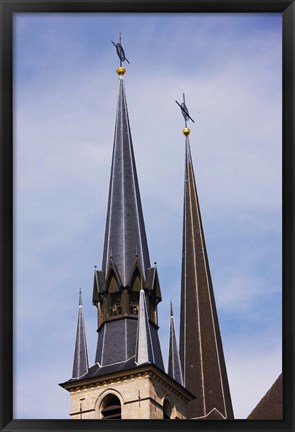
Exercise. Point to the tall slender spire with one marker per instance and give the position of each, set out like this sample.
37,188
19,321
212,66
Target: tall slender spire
174,366
125,236
201,351
144,345
80,365
126,264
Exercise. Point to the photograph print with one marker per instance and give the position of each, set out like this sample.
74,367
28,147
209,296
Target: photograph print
148,216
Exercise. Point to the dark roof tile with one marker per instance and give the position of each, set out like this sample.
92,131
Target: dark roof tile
270,406
125,236
201,351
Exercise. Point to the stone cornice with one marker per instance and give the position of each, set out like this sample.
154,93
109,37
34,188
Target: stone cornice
146,371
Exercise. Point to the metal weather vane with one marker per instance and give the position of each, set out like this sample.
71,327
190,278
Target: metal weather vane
120,51
184,110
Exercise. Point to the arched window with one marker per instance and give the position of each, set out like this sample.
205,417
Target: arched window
115,304
153,311
167,410
110,407
134,294
114,297
134,303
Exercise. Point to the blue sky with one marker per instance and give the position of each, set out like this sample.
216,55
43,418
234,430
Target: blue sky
65,100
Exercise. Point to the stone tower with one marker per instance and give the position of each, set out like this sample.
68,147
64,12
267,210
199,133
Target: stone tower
201,352
128,380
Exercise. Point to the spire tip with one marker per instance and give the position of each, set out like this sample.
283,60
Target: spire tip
80,297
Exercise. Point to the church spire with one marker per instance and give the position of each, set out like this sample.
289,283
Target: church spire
80,364
126,264
174,366
201,351
125,237
128,380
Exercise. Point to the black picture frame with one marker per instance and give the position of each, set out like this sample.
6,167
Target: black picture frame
7,9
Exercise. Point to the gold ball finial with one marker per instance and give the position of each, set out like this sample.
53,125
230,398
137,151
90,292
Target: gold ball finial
120,71
186,131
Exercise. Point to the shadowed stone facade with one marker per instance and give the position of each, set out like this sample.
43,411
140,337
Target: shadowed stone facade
141,391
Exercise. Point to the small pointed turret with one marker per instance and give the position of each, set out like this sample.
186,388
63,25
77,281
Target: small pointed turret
80,365
144,344
201,352
174,366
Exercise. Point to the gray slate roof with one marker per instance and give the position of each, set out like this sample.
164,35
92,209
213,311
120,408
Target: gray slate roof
80,364
174,366
119,342
201,351
144,343
125,253
125,236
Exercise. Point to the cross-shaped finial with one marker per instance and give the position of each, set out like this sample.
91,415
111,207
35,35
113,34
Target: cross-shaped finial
185,113
121,55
